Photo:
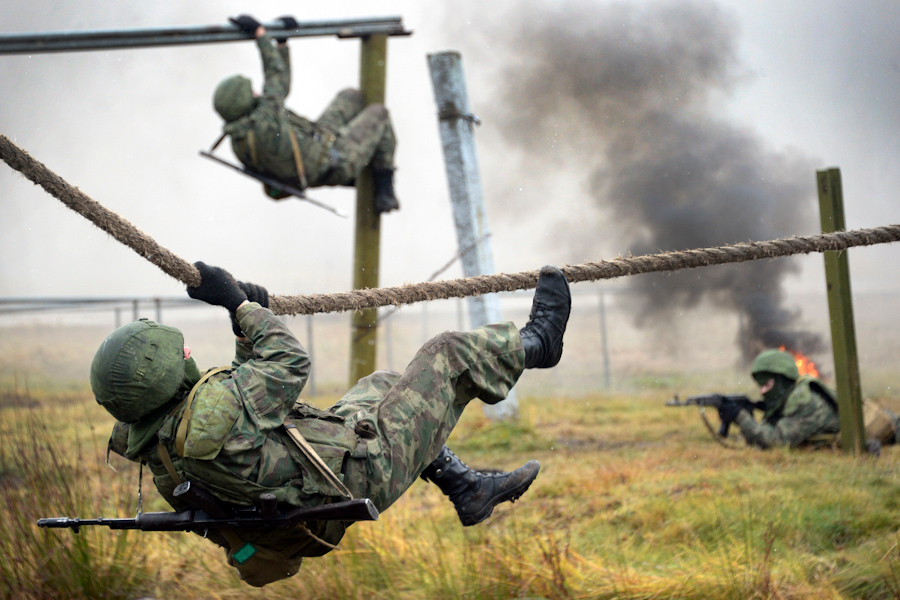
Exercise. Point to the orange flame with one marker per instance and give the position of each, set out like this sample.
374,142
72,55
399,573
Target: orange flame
804,363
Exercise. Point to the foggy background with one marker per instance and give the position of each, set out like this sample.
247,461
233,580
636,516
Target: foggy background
608,128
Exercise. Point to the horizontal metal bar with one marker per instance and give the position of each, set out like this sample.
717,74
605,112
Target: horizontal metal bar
68,41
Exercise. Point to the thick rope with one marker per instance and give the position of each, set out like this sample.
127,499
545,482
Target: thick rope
107,220
181,270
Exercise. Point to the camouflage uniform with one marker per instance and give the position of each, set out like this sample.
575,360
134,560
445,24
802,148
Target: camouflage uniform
810,409
378,438
348,136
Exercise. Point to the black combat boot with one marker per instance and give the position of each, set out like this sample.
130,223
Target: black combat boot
475,494
385,201
542,336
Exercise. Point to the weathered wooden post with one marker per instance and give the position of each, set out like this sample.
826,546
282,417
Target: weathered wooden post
461,161
366,251
840,306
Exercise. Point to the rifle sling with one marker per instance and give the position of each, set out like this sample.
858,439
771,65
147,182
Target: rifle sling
295,150
298,160
315,459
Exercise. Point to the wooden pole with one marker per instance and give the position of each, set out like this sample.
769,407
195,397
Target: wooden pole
840,306
364,331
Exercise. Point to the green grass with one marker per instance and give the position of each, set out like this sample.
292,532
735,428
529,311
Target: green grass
634,501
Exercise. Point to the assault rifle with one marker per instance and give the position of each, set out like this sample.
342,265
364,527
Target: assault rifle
208,514
716,401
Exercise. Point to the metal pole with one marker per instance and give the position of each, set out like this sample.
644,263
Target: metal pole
118,317
113,39
604,340
840,306
134,310
461,161
309,350
158,304
364,330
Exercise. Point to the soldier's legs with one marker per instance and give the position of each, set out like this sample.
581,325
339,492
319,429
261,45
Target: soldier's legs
367,139
407,429
346,105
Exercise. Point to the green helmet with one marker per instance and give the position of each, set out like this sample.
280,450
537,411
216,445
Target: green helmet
233,98
777,362
138,369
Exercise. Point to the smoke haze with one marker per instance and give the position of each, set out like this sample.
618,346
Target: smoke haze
626,93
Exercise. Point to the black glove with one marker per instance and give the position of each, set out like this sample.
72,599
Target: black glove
255,293
289,22
217,287
729,411
247,23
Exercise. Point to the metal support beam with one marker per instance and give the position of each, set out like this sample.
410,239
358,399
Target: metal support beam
840,306
116,39
473,235
366,251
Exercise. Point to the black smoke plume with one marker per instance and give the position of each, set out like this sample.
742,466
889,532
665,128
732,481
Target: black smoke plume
628,93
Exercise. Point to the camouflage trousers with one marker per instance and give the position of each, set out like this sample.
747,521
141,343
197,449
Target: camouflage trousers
406,419
355,135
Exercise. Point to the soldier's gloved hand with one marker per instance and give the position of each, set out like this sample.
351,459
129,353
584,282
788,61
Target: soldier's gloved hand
729,411
247,23
255,293
289,22
217,287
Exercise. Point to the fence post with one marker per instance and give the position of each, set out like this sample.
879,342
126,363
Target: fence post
840,306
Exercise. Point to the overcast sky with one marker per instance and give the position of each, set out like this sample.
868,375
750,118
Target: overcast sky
817,81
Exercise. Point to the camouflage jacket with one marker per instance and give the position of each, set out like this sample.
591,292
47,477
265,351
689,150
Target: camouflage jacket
810,410
235,446
261,140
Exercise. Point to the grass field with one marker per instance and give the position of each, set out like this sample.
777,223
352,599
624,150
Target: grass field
634,500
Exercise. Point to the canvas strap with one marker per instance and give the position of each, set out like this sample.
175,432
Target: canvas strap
298,160
315,459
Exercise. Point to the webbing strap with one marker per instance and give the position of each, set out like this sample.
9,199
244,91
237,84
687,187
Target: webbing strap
315,459
167,462
181,434
251,140
298,160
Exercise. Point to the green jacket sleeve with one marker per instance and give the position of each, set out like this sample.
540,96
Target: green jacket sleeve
276,71
274,373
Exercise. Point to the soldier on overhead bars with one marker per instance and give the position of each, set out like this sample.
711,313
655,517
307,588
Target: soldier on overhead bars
271,140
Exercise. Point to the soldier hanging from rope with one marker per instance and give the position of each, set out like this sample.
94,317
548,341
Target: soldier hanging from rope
240,432
271,140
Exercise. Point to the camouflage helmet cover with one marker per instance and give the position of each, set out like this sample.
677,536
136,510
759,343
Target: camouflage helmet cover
138,369
777,362
234,98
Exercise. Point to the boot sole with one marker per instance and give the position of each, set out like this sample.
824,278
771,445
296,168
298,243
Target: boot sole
507,496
